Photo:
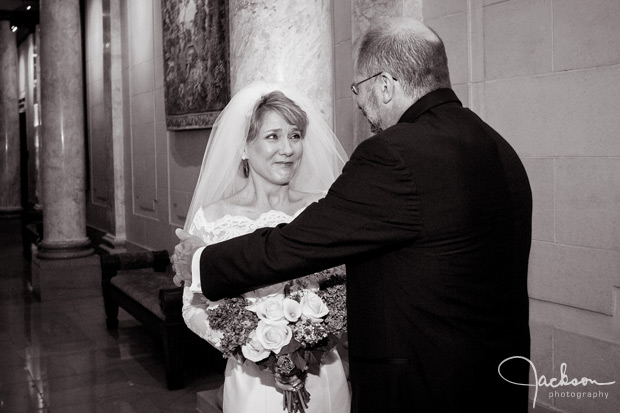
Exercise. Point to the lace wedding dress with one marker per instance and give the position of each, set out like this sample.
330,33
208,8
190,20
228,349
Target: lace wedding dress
247,389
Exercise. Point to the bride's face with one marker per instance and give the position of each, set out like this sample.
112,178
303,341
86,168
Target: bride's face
275,153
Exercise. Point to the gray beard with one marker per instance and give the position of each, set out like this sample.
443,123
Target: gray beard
374,128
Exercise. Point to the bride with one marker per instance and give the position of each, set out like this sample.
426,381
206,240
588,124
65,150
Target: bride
269,156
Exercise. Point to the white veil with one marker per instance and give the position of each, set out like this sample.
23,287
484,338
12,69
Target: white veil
220,174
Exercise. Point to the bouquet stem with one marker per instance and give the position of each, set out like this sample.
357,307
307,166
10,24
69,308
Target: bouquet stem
296,397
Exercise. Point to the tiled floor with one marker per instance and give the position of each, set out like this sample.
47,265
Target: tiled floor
58,356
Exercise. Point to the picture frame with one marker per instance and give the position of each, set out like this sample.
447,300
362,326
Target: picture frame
196,62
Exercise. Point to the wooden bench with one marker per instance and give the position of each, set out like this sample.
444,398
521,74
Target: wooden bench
141,284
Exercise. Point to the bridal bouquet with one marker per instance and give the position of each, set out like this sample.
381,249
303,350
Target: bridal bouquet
287,331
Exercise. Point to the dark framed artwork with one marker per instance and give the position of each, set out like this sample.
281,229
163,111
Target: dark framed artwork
196,61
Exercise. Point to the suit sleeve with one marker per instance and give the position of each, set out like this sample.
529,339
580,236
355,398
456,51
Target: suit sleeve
372,207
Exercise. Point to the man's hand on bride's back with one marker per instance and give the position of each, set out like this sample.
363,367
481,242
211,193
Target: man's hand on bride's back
182,257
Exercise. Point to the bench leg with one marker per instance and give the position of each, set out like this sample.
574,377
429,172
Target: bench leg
173,337
111,312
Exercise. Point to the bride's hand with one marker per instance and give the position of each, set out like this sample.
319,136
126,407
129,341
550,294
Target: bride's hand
182,257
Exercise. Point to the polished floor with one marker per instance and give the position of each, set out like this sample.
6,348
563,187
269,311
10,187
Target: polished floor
58,356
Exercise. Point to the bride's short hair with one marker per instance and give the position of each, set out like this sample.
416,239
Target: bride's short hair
279,103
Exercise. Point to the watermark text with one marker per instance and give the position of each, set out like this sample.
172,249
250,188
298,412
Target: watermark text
555,383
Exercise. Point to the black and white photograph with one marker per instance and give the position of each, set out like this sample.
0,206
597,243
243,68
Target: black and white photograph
309,206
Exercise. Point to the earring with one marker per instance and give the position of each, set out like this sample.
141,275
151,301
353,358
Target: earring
246,166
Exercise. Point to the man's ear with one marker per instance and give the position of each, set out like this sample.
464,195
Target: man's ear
387,87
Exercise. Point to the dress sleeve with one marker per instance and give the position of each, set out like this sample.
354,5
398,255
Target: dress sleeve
195,315
372,206
195,304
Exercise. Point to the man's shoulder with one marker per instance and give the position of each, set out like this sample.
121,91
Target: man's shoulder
372,146
386,140
382,150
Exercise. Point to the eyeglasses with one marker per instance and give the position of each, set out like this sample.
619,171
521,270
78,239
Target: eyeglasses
354,86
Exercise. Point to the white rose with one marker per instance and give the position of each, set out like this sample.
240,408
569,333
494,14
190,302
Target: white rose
313,307
292,309
270,309
254,350
274,336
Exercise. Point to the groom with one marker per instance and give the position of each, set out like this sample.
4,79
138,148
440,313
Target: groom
432,217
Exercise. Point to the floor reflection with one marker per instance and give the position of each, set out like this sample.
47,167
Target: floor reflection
58,356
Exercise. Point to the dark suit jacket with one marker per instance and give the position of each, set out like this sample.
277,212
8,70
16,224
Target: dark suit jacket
432,218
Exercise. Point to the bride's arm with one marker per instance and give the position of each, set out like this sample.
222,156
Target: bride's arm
195,316
195,305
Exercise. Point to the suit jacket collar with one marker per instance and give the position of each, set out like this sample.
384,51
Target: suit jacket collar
430,100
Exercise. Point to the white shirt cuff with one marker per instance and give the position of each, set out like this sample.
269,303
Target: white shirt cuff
196,287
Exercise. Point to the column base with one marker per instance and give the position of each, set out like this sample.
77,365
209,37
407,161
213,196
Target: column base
65,249
66,279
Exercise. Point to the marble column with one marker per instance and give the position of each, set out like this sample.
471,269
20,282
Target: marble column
63,146
284,40
113,35
10,185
